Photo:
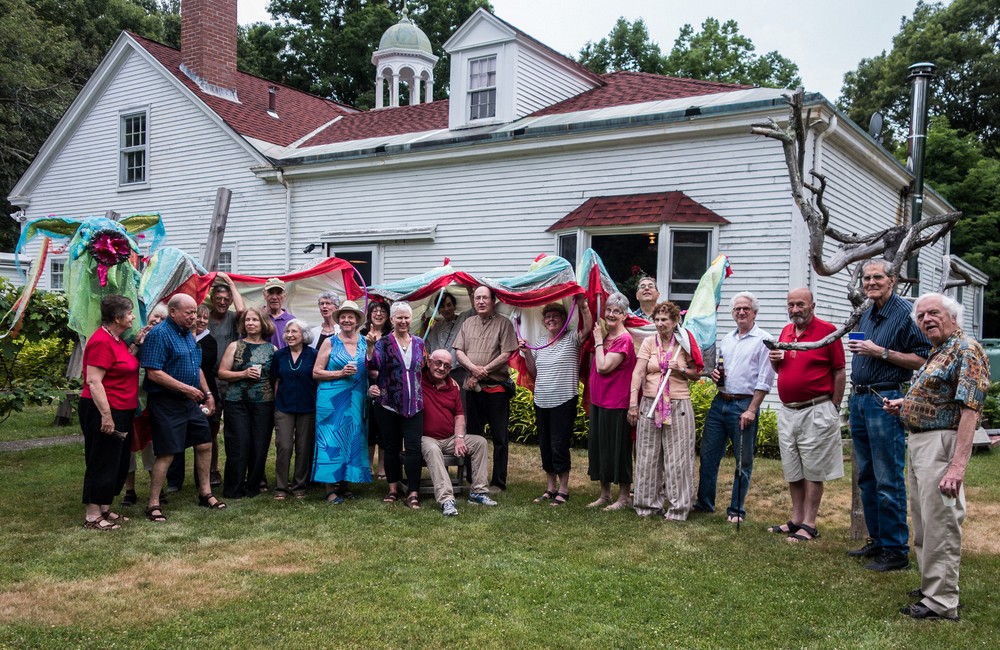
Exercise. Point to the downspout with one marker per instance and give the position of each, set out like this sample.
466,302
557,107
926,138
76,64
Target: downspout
831,127
288,220
920,77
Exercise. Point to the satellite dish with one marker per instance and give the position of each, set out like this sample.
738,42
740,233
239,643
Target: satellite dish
875,126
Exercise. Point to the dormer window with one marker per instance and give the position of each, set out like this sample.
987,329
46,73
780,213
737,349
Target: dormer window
483,88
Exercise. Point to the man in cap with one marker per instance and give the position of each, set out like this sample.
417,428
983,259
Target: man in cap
274,297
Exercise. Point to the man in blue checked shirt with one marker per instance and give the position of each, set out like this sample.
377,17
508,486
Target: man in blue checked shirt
884,358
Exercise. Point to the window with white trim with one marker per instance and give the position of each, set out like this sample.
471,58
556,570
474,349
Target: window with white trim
483,88
225,264
133,149
363,257
57,274
689,259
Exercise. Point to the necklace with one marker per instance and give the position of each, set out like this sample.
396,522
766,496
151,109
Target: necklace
115,337
295,366
406,347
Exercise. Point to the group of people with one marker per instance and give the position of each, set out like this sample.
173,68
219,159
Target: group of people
360,380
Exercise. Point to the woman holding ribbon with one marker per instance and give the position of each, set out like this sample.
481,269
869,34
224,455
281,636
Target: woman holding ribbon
664,455
554,362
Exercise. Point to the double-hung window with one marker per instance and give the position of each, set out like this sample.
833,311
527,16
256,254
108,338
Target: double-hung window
483,88
133,165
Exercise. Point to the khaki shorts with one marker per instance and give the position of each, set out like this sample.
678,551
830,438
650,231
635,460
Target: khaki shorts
810,445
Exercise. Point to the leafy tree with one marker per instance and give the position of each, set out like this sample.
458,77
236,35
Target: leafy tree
962,40
719,52
325,46
627,47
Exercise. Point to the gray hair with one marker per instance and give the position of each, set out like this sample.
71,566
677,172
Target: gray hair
398,307
754,303
955,309
331,296
159,310
885,264
618,299
307,335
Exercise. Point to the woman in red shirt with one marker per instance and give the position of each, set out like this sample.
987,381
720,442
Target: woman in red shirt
107,406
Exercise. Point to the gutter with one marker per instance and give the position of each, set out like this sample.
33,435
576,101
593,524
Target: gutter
288,219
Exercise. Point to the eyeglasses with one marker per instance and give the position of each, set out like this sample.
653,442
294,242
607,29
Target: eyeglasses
615,312
876,278
440,364
647,285
738,309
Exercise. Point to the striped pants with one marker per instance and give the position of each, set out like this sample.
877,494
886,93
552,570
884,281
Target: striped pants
664,462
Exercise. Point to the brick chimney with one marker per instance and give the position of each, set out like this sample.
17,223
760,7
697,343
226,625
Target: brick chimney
208,45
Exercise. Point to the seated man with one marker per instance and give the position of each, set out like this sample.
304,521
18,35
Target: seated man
444,433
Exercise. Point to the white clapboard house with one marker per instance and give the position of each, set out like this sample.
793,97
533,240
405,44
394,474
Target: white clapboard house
532,153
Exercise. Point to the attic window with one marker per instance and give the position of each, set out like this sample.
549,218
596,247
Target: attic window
482,88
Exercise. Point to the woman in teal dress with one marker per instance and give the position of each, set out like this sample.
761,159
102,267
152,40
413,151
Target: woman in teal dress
341,424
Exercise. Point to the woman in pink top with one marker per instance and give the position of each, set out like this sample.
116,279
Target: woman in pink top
609,445
664,444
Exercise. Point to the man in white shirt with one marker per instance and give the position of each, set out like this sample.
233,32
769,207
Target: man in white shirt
733,415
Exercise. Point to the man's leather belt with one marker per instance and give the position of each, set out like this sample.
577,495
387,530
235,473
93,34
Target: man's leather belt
798,406
732,397
861,389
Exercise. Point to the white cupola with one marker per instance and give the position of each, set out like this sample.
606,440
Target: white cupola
404,54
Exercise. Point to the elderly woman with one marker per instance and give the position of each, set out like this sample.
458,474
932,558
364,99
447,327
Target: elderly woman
294,409
664,454
249,415
341,371
107,405
398,358
554,362
609,445
156,316
329,303
377,322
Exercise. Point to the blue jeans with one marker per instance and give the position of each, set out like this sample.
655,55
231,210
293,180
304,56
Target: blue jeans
880,451
722,425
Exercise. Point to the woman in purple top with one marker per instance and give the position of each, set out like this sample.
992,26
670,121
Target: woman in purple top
398,359
609,445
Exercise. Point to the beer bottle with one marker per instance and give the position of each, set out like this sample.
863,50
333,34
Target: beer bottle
721,367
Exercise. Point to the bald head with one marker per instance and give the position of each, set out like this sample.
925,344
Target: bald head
183,310
440,365
800,306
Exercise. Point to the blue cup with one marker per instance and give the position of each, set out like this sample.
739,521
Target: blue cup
855,336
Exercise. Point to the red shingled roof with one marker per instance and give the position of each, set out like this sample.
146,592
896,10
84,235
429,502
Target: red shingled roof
634,209
623,88
299,113
384,122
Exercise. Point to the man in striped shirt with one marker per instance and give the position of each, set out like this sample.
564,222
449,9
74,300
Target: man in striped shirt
891,348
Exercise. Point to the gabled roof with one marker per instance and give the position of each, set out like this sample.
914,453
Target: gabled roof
622,88
636,209
299,113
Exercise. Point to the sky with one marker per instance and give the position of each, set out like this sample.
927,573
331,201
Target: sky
825,38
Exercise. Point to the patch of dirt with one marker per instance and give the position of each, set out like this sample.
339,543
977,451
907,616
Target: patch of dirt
154,587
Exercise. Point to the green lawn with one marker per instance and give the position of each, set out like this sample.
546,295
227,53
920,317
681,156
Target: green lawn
368,575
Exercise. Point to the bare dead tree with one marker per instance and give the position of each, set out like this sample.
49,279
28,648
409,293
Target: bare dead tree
895,244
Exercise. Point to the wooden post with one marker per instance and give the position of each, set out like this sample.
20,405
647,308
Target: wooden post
217,229
64,412
858,528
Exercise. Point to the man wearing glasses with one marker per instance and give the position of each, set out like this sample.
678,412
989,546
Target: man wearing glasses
888,346
734,411
444,433
647,294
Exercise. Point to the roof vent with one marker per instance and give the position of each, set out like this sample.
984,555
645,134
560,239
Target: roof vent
272,101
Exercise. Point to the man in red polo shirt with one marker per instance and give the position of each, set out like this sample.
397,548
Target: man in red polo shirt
811,387
444,433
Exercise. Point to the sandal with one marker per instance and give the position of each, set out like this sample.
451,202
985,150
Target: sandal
413,502
734,519
280,496
130,498
546,496
300,495
559,499
790,528
601,501
392,497
334,499
799,537
209,501
114,516
155,514
100,524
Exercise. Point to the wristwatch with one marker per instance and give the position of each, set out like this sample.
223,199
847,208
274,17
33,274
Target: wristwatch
885,354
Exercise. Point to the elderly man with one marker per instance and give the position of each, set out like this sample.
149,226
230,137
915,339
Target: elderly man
274,297
887,348
811,386
444,433
179,401
647,294
733,414
941,411
483,347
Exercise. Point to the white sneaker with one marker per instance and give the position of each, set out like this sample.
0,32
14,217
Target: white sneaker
448,508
